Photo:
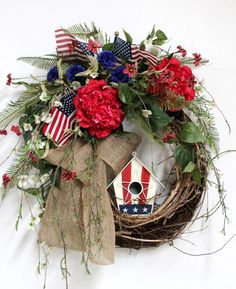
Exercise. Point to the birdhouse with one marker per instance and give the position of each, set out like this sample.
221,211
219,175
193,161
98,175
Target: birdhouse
135,188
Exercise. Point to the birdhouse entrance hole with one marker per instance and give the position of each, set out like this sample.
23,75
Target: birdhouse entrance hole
135,188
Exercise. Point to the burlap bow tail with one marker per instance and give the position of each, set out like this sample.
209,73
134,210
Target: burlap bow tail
78,215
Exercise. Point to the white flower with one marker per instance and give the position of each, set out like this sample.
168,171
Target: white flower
46,117
44,97
22,182
57,103
34,182
27,127
146,113
37,119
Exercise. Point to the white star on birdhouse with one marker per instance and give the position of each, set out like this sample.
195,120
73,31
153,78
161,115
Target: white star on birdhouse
135,188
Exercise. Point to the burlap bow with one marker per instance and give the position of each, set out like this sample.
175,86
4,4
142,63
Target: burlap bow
78,215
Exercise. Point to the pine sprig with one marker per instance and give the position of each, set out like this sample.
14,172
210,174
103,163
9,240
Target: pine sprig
44,63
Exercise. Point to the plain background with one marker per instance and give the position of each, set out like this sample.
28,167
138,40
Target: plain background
205,26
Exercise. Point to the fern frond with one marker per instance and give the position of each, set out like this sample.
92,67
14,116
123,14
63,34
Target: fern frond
44,63
202,109
21,165
15,108
84,32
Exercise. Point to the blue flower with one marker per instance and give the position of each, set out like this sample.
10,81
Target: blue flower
72,71
52,74
117,75
107,59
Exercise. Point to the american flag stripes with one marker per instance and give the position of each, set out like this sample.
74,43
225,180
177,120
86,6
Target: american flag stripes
63,118
69,47
132,51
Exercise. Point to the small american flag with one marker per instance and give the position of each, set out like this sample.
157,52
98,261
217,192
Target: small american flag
132,51
69,47
63,118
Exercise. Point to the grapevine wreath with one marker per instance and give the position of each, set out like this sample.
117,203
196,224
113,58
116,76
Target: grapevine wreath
72,148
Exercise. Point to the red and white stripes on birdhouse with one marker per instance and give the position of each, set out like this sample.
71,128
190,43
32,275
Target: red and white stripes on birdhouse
135,188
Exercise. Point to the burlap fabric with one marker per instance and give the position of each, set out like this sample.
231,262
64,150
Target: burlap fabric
78,215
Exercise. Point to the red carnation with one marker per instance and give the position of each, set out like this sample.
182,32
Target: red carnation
69,176
174,76
98,108
6,180
3,132
181,50
16,130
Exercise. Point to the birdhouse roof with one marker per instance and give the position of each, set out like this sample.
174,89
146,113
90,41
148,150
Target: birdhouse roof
141,164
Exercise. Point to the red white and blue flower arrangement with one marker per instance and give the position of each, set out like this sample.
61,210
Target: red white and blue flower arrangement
72,143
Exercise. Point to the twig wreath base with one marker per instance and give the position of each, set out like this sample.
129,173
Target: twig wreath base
168,221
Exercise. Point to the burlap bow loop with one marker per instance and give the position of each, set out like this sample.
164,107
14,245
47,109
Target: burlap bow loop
79,215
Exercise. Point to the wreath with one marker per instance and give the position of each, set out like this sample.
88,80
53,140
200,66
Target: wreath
75,158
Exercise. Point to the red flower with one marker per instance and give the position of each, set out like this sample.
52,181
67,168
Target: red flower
93,45
181,50
168,136
130,69
6,180
3,132
197,59
174,76
16,130
69,176
98,108
9,79
33,157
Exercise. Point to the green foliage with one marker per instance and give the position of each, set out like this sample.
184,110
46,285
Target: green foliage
197,176
129,39
126,95
158,37
184,154
189,168
202,110
44,63
83,31
15,108
191,133
21,165
158,118
108,46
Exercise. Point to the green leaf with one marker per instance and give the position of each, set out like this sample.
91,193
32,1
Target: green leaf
197,176
161,38
125,93
142,46
129,39
151,34
158,119
191,133
161,35
33,192
183,155
108,46
189,168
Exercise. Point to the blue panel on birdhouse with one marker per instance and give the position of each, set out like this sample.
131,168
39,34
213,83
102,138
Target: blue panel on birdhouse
136,209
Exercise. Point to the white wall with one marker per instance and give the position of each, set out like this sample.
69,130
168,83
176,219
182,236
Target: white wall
205,26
